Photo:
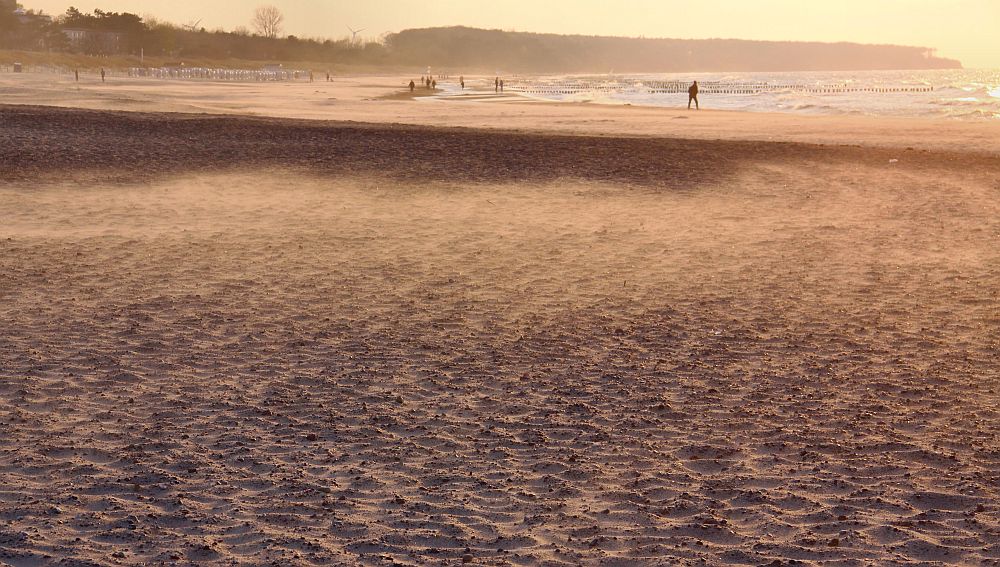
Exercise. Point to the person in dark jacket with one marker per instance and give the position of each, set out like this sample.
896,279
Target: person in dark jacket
693,96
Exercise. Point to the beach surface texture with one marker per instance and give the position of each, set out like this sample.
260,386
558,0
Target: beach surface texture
331,325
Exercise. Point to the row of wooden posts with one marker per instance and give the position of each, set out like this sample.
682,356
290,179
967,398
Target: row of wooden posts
658,87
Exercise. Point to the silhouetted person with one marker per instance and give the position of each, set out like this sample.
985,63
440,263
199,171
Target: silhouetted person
102,74
434,85
310,76
76,72
496,85
693,96
501,85
412,86
462,81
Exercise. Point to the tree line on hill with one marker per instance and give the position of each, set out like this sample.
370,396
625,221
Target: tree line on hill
453,48
461,47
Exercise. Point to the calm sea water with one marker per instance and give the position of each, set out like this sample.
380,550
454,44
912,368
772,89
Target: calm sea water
968,94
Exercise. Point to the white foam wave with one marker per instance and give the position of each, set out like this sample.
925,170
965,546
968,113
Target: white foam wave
966,94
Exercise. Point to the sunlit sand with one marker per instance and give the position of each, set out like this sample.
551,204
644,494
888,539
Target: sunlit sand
497,332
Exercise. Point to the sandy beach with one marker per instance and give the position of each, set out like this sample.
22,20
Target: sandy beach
386,100
244,328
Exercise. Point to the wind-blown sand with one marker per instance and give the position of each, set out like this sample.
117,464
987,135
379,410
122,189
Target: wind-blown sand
373,100
263,340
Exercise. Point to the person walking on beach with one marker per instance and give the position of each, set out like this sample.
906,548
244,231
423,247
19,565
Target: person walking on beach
501,85
412,85
434,84
693,96
461,80
102,74
76,72
496,85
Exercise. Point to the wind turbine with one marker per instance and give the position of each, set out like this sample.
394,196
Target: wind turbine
354,34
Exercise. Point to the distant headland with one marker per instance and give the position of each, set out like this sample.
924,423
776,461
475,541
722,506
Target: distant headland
463,47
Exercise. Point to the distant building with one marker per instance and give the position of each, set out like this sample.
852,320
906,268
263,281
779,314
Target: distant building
76,37
94,41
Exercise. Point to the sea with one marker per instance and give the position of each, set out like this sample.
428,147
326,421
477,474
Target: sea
960,94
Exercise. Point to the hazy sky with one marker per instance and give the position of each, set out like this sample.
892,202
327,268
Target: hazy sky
962,29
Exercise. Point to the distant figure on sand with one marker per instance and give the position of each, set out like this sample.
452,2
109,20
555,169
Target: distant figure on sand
434,84
693,96
501,85
102,74
461,81
412,86
496,85
76,72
